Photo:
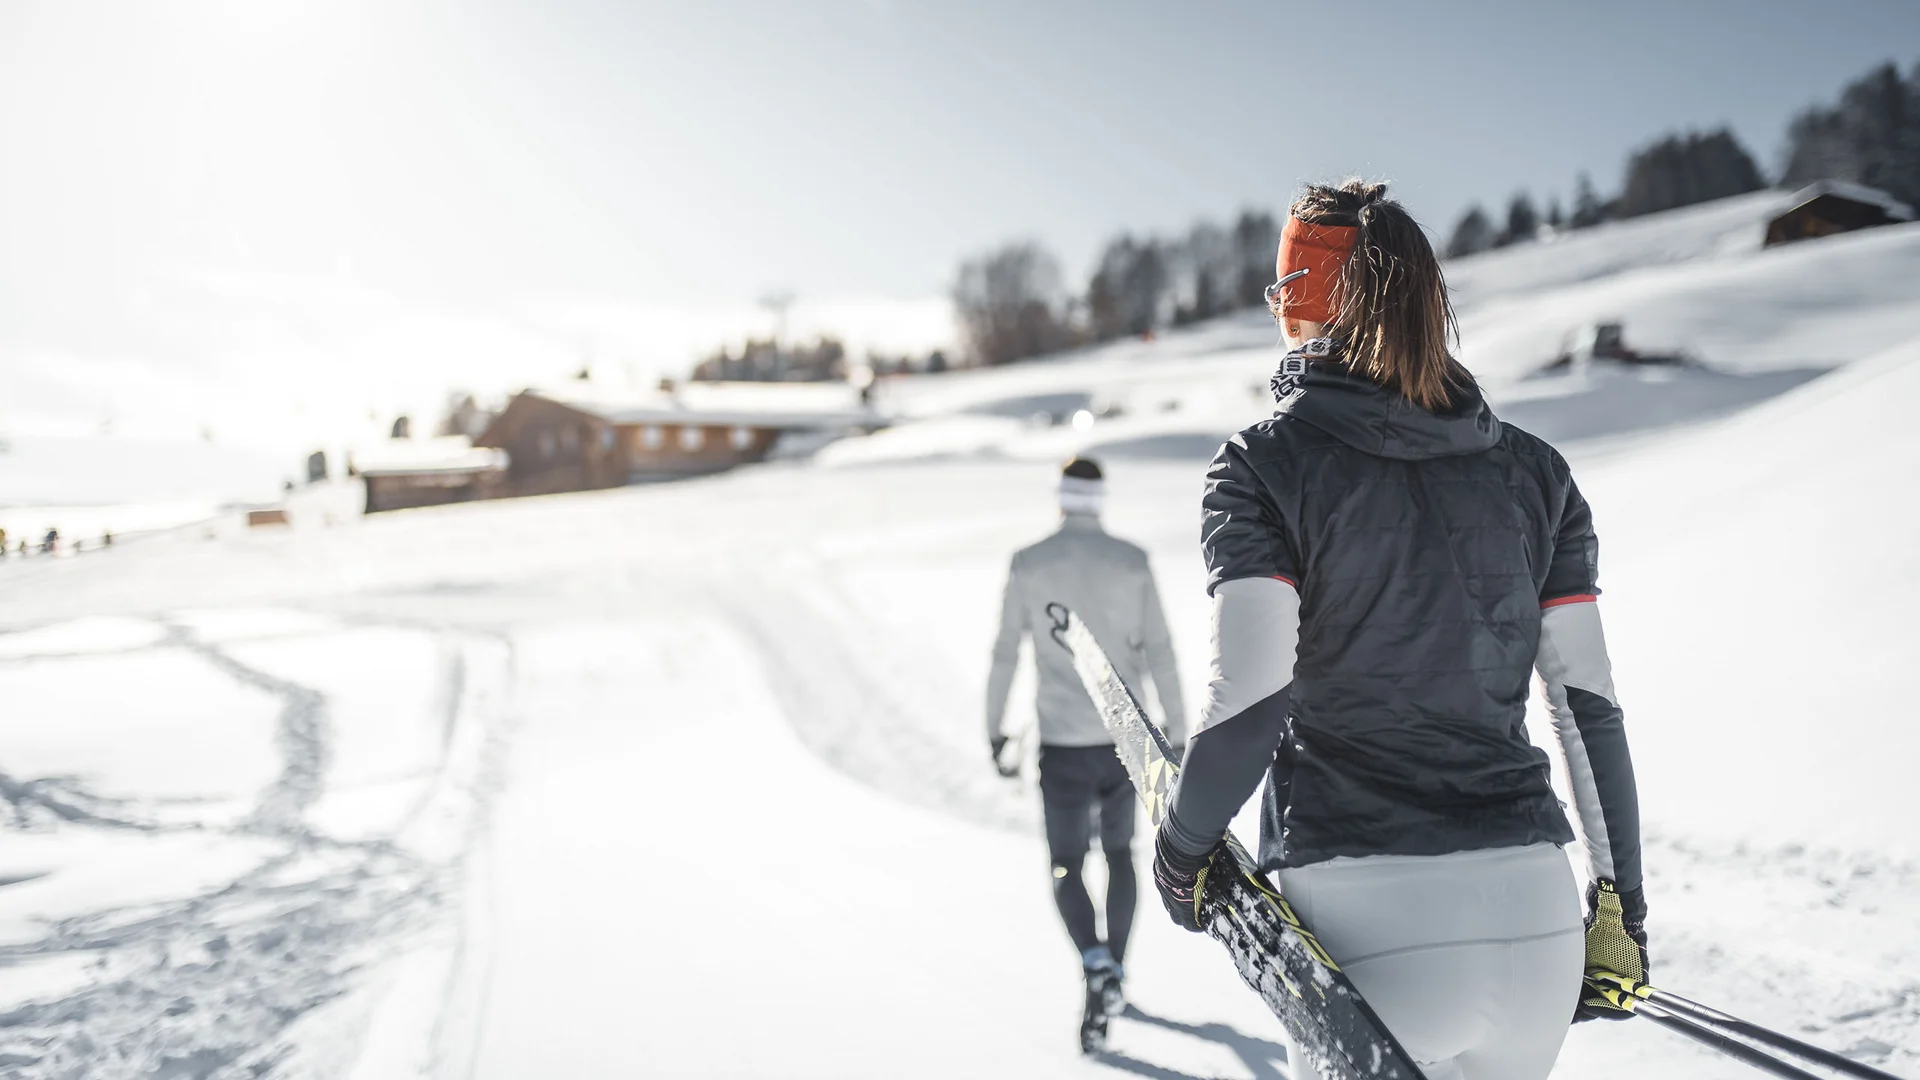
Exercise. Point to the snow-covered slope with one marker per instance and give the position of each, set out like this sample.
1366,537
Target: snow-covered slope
1762,579
748,827
87,486
804,696
1723,227
1761,320
1820,302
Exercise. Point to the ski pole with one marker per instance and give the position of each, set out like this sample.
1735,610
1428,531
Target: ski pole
1724,1043
1817,1054
1714,1017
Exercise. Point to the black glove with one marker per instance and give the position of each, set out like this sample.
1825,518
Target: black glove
999,743
1616,947
1182,880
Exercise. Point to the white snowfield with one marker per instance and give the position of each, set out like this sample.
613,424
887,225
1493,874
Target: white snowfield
688,780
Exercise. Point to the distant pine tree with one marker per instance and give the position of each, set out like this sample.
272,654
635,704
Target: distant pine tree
1473,234
1681,170
1203,264
1523,222
1872,136
1144,286
1587,208
1127,290
1555,219
1255,235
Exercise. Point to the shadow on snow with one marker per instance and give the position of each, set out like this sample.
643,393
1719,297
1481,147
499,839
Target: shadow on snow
1617,402
1261,1056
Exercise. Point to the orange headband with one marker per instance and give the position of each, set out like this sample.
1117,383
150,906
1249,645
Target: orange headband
1320,250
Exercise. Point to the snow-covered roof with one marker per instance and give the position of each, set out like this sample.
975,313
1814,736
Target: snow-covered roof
440,454
1858,193
743,404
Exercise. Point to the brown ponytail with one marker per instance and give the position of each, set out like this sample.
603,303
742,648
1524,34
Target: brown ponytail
1394,320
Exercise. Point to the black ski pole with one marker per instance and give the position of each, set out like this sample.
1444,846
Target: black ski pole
1724,1043
1819,1055
1624,991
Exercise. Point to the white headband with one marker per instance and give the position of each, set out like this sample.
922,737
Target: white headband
1081,496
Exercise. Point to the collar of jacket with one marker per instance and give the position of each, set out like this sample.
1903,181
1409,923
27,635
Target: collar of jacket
1074,520
1313,386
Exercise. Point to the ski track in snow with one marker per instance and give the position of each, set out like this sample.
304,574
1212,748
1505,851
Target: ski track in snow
207,986
843,699
301,734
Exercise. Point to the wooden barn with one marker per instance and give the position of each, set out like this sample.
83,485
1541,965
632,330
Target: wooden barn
405,473
1835,206
559,441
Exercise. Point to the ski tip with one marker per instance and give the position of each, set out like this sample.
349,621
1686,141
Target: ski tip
1062,617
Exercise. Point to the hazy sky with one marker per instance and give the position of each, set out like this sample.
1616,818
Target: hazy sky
276,183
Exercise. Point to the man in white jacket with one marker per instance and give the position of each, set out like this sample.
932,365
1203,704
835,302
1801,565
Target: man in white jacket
1108,583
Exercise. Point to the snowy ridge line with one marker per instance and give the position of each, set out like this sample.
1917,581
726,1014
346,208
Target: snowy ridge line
249,978
1729,226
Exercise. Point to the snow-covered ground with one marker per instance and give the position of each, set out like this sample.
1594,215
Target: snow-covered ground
213,824
688,779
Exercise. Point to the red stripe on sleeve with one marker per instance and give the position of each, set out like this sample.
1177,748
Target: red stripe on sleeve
1581,599
1288,580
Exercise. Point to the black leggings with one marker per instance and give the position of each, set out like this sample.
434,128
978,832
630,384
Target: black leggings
1076,783
1076,905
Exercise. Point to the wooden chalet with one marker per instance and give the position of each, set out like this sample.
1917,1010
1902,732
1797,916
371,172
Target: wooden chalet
572,441
406,473
1835,206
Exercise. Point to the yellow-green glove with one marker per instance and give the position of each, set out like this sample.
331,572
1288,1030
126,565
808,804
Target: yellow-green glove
1616,945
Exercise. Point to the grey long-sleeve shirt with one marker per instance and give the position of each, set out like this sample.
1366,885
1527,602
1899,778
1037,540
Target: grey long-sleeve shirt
1109,584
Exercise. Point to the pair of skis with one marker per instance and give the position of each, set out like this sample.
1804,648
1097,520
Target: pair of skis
1277,955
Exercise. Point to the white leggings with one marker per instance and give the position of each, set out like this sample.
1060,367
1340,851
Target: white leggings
1473,960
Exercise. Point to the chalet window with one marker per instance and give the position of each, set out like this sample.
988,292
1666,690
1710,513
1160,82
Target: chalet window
570,438
742,438
545,444
651,437
692,438
606,438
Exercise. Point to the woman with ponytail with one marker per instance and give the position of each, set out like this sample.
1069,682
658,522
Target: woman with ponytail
1389,565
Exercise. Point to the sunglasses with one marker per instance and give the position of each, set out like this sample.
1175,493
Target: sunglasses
1273,291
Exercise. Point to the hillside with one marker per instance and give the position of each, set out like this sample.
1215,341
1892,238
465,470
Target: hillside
1696,279
689,778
